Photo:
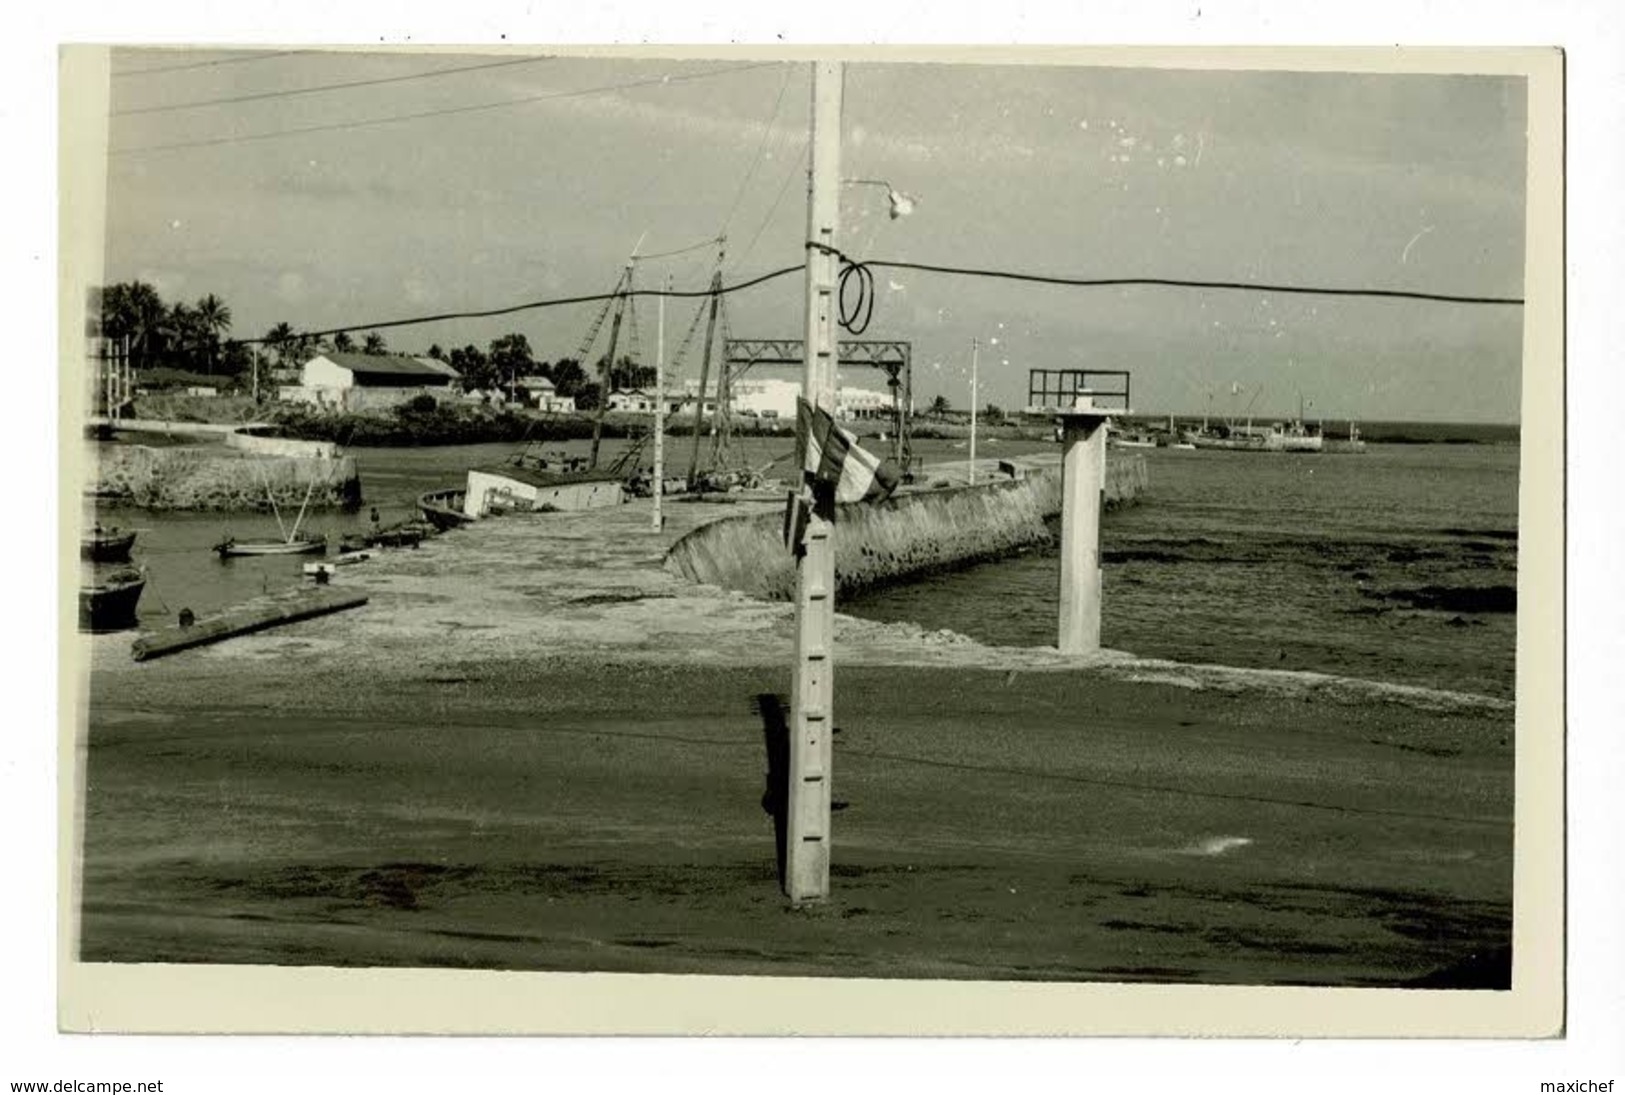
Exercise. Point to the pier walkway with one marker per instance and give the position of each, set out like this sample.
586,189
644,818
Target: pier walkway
538,747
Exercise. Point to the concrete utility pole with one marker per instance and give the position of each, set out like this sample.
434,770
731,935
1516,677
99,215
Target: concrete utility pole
1083,493
807,847
660,402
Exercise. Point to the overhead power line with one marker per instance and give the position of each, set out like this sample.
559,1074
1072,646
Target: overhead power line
290,92
784,188
761,147
960,271
392,119
535,304
210,64
712,242
1175,283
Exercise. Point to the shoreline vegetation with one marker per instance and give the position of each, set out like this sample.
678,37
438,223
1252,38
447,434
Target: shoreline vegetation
412,425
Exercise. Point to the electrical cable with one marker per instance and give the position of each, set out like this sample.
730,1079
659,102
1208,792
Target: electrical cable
290,92
210,64
555,302
761,147
855,316
419,116
712,242
784,188
863,307
1177,283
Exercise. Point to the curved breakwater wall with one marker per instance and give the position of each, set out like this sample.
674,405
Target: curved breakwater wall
216,478
908,536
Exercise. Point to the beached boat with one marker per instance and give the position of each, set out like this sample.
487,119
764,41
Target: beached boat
406,534
296,545
109,603
444,508
106,545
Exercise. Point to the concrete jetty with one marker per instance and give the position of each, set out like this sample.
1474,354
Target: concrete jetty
920,531
537,746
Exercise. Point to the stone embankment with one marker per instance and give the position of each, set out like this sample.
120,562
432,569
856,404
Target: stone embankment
216,478
912,534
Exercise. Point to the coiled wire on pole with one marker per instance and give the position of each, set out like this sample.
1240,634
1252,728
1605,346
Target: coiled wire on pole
855,314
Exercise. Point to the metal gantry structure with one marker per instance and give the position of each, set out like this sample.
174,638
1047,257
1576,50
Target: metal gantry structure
893,357
1052,389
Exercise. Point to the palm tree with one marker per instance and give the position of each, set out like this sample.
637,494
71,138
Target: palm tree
179,332
374,344
134,310
343,343
939,406
281,342
213,319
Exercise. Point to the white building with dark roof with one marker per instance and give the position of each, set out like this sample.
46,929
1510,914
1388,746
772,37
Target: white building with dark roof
360,382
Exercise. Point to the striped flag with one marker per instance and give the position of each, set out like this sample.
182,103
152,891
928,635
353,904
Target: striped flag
828,454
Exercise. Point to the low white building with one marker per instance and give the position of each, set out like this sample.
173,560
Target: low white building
359,382
766,397
631,401
855,402
541,393
775,397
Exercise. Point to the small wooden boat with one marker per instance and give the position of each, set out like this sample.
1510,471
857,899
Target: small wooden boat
407,534
109,604
106,545
331,567
296,545
292,542
444,508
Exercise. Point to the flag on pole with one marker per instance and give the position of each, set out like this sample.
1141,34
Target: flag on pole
829,454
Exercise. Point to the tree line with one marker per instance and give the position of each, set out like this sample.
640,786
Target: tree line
193,338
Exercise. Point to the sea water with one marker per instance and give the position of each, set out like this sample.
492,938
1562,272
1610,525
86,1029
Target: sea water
1396,564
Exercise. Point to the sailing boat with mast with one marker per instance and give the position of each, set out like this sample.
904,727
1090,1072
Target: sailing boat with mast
292,542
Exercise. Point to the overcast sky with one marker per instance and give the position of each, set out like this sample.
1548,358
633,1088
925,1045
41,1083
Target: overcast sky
1385,181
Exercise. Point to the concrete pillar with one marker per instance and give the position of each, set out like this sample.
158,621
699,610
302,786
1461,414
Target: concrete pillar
812,699
1083,488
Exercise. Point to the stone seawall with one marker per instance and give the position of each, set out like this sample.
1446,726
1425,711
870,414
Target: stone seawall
219,478
911,535
281,446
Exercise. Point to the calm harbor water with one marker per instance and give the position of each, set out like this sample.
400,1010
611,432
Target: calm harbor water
1398,564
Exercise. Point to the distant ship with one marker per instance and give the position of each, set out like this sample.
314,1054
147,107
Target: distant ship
1276,437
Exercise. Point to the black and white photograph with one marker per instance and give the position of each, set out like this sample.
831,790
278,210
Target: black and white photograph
862,517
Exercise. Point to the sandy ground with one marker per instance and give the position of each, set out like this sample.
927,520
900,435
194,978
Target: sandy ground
537,748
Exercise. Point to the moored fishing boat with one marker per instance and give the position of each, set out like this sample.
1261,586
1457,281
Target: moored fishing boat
106,545
297,544
109,604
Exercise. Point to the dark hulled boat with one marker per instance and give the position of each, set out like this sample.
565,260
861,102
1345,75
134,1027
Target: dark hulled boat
108,604
106,545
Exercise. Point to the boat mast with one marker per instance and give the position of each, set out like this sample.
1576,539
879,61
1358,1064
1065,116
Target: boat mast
705,372
622,290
